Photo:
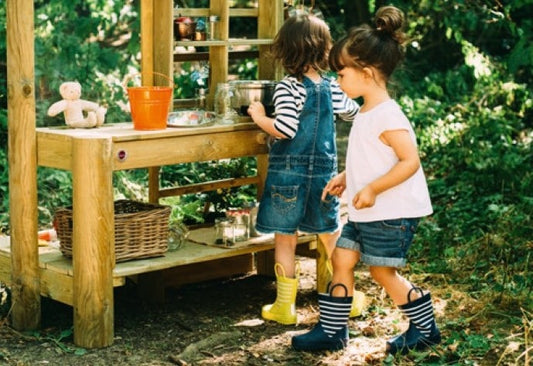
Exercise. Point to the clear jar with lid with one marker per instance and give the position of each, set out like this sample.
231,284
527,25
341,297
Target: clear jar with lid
224,231
224,112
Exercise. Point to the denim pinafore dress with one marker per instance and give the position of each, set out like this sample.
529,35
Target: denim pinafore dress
300,168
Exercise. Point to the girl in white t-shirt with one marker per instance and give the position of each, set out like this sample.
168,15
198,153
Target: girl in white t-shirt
386,188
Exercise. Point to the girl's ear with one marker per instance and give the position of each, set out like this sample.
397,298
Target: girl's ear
368,72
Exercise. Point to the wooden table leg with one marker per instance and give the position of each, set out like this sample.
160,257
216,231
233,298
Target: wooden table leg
93,242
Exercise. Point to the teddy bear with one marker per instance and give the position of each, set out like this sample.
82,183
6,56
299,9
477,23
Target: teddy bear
73,107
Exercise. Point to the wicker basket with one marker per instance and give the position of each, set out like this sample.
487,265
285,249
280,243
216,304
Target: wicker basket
141,230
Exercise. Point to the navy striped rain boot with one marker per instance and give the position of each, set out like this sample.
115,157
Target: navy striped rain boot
331,331
422,332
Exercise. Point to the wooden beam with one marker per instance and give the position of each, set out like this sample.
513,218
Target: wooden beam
269,22
93,249
147,40
22,153
163,33
209,186
218,57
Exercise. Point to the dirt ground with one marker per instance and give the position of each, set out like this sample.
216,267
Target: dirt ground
209,323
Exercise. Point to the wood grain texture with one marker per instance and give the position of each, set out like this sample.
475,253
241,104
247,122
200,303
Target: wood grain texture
26,313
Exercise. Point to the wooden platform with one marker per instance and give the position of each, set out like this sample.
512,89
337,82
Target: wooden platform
57,270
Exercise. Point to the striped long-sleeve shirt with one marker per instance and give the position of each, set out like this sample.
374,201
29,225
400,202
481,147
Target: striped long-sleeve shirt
289,98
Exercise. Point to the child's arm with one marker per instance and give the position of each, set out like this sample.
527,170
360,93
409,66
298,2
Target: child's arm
345,107
408,164
335,186
257,111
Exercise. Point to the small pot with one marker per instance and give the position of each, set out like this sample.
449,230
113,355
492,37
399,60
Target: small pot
248,91
184,31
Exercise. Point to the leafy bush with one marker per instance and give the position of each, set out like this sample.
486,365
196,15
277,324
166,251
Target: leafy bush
476,147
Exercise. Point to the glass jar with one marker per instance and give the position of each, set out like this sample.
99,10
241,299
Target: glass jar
224,231
225,114
211,32
177,235
241,232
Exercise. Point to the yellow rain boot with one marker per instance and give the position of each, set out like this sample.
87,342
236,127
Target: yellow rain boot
283,310
358,298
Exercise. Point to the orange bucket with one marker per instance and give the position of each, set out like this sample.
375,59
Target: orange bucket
150,105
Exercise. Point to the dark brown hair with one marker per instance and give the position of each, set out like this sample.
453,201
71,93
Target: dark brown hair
302,42
379,46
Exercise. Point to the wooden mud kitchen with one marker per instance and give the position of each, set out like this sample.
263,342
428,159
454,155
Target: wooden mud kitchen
86,281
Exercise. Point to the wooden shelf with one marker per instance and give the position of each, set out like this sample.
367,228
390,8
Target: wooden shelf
205,12
204,56
230,42
57,271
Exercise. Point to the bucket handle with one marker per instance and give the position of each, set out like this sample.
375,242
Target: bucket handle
128,78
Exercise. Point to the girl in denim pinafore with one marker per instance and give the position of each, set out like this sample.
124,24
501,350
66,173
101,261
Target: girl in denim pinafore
303,158
300,168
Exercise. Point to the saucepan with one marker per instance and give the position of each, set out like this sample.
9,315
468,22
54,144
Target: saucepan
247,91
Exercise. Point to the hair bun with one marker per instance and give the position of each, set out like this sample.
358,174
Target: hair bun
390,20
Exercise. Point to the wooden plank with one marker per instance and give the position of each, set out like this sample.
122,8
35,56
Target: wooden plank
54,145
209,186
229,42
55,284
204,12
204,56
121,132
195,253
209,270
170,151
152,285
22,153
93,243
54,151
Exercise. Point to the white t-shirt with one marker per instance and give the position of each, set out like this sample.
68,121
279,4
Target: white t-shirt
369,158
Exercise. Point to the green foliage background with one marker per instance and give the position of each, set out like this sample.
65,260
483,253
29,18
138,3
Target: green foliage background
465,85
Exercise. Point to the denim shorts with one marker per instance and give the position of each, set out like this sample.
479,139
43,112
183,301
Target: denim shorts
381,243
292,202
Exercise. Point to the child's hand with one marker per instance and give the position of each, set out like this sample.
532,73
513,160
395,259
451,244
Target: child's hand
335,186
256,110
365,198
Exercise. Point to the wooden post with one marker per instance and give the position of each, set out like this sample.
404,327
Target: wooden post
147,40
269,22
163,41
218,56
22,154
93,246
157,39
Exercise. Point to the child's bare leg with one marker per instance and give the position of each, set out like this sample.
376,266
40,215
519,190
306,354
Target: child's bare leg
394,284
285,252
344,261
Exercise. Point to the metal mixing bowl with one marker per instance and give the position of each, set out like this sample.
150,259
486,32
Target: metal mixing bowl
247,91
